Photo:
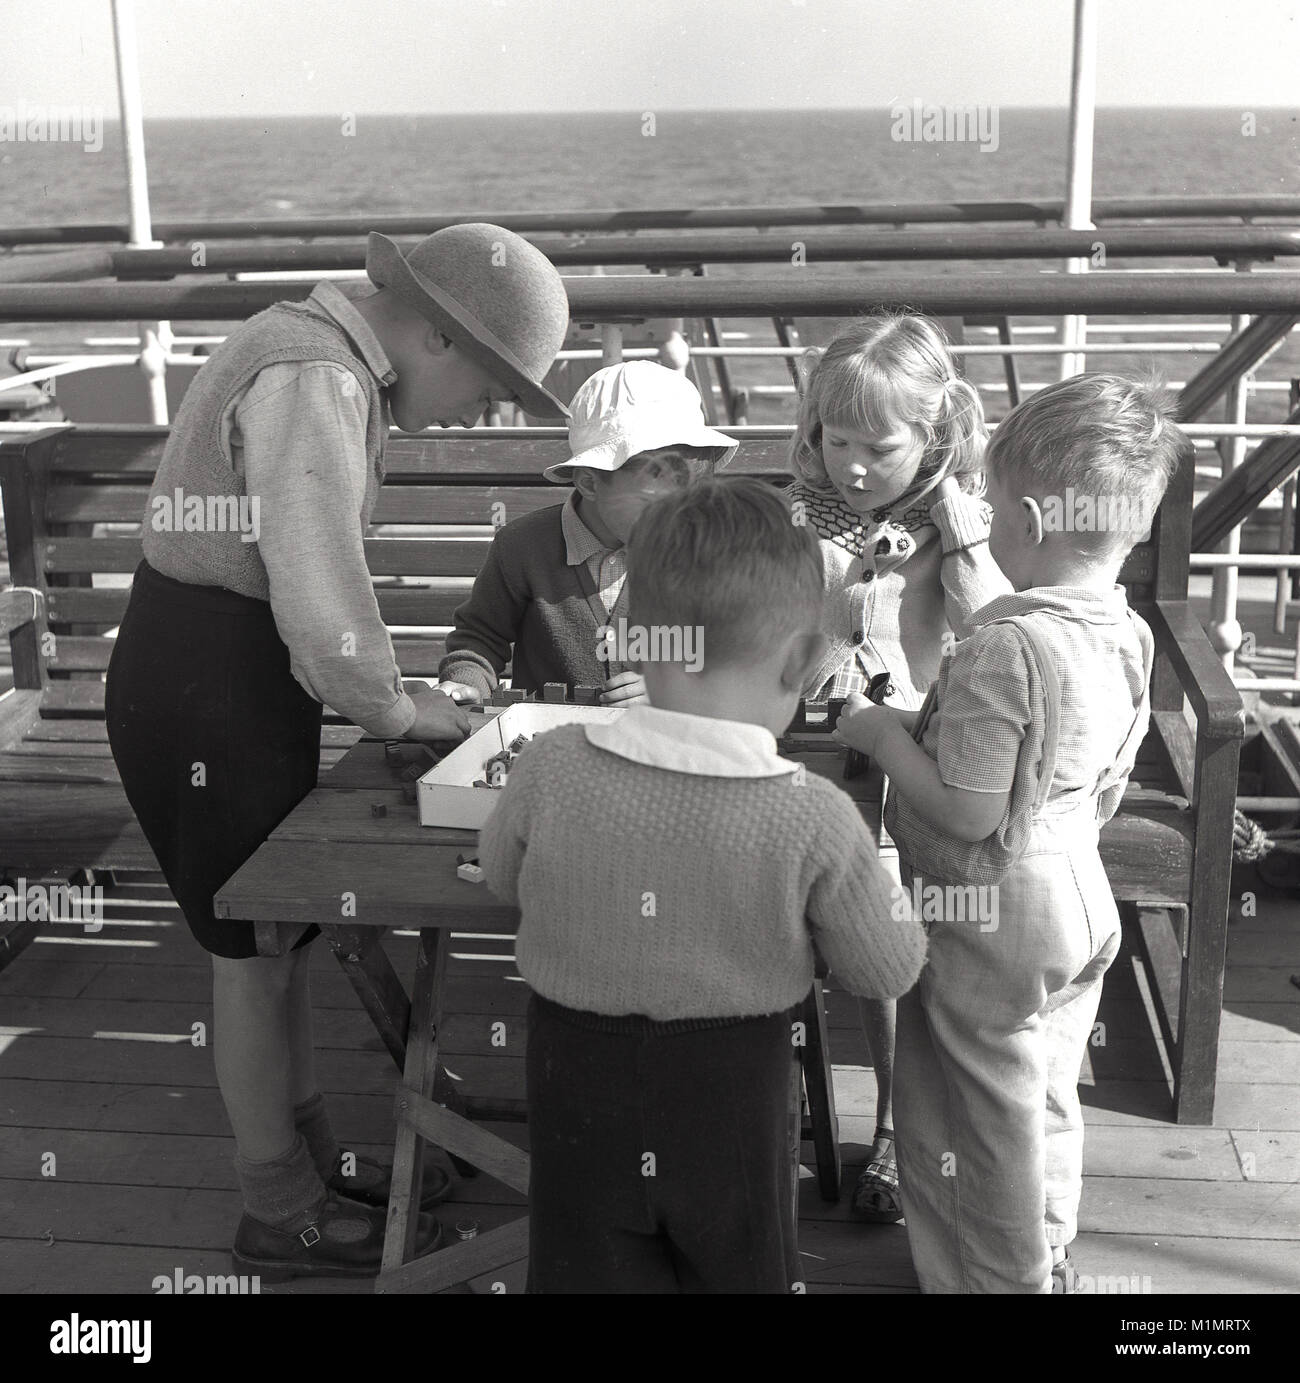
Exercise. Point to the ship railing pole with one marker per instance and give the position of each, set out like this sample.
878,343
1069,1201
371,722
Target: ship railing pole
1078,189
155,337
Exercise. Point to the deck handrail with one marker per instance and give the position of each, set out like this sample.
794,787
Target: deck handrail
1037,209
1226,244
803,292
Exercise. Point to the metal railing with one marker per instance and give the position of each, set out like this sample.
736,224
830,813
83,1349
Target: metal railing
1265,306
1037,210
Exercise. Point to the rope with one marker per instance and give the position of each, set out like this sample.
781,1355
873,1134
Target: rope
1251,842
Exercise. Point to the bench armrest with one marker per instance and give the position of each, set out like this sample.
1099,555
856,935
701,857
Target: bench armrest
18,606
1220,712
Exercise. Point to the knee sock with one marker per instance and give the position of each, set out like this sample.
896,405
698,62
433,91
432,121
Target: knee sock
282,1188
312,1120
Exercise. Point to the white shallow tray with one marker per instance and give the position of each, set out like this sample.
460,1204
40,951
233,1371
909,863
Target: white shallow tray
446,795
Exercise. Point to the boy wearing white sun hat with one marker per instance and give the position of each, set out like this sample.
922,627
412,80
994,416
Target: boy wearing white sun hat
554,582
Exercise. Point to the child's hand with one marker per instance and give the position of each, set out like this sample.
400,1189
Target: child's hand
860,724
438,719
624,689
461,693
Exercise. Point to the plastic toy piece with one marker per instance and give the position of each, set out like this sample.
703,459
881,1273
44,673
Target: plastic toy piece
586,696
470,871
496,774
515,695
555,691
378,809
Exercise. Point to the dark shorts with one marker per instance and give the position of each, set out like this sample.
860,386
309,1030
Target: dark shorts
664,1156
215,740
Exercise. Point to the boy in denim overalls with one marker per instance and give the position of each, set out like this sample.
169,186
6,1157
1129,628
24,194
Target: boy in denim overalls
1018,758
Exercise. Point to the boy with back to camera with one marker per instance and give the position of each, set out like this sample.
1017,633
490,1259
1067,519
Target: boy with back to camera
672,873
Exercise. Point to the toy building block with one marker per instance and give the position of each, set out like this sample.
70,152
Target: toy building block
515,695
470,871
586,696
555,691
498,696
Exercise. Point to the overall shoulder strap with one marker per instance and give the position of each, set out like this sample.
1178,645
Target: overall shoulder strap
1128,750
1040,654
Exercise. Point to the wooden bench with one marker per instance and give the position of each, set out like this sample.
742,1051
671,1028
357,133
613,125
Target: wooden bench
1167,852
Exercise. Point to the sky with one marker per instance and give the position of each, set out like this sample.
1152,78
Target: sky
333,57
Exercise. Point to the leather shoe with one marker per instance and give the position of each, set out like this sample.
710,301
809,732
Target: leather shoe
338,1238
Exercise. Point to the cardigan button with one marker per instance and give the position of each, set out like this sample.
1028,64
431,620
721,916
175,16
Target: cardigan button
857,636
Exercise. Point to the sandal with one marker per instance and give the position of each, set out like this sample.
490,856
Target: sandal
875,1197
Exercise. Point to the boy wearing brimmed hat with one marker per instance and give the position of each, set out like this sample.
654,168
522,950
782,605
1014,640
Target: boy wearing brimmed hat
233,640
552,589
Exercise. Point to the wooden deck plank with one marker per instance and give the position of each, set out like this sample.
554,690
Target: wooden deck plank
1201,1210
182,1219
108,1061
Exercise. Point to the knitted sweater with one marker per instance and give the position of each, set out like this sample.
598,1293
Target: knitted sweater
648,890
528,597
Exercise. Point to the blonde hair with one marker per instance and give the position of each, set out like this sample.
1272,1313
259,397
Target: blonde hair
1111,441
886,369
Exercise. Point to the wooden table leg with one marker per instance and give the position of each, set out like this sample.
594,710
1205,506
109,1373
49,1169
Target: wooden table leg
496,1249
360,952
820,1086
417,1080
421,1120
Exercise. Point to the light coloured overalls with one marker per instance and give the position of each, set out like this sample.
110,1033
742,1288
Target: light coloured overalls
991,1039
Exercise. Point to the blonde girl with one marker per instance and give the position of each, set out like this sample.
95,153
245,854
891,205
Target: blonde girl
884,422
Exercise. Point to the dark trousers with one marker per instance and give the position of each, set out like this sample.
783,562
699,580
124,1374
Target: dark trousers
214,739
662,1153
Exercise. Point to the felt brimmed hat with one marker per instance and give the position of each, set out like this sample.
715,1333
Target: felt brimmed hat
639,406
492,293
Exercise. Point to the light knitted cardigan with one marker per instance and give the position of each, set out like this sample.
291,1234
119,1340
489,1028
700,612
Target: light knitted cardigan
889,590
648,890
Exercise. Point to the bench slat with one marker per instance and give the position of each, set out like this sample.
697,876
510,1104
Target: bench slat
385,556
82,699
432,504
431,605
74,732
1147,852
90,653
449,454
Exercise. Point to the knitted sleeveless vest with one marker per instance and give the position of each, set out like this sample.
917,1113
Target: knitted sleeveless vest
212,551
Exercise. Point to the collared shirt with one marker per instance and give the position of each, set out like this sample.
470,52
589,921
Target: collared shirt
687,743
607,565
986,698
297,434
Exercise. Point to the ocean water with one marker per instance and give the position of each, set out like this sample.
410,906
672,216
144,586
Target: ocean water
406,165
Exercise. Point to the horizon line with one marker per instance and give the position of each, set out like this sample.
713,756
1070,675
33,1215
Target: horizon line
636,111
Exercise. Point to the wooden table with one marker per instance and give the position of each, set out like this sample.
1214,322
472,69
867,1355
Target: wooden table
354,850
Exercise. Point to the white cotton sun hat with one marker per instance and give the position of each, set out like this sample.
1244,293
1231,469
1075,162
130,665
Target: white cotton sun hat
639,406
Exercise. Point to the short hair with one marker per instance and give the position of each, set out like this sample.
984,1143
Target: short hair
1099,440
726,557
883,370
